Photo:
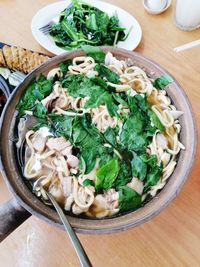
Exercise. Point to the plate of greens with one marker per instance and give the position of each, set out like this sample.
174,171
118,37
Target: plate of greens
91,22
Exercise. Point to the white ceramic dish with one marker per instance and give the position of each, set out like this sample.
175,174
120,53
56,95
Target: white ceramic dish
47,13
156,12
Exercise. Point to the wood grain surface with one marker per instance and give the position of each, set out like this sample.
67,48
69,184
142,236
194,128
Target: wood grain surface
172,238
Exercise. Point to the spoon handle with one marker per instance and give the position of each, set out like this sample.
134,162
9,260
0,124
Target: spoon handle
83,258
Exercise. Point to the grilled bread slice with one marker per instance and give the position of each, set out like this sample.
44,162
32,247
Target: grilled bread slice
21,59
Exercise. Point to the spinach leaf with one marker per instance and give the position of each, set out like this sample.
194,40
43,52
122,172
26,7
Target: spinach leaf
117,97
89,140
153,177
110,136
162,82
62,125
132,135
89,154
150,160
129,199
156,122
87,182
138,103
69,30
39,111
124,175
64,66
105,72
81,86
78,85
107,174
94,52
37,90
139,167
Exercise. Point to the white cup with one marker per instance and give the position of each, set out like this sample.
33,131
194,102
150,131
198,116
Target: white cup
187,14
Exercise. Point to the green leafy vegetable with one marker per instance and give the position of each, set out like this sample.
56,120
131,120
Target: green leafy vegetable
82,24
105,72
129,199
133,135
64,66
62,125
87,182
37,90
124,175
39,111
94,52
82,86
152,177
139,167
156,122
162,81
110,136
107,174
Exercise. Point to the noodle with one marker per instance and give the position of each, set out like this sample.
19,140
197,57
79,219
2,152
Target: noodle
53,164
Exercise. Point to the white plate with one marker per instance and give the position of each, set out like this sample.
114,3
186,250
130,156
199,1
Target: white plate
47,13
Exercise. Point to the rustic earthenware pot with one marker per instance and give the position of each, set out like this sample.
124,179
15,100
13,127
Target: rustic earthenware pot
32,205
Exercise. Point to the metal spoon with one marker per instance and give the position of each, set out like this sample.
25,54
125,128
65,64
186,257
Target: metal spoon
83,258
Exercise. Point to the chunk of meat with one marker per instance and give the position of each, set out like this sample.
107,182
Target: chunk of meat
67,151
39,142
54,72
57,193
161,141
136,185
47,101
68,202
78,210
67,186
72,161
57,144
105,204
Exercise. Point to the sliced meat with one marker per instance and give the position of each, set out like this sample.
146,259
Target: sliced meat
68,202
57,193
67,186
136,185
105,205
67,151
48,100
57,144
161,141
39,142
72,161
53,72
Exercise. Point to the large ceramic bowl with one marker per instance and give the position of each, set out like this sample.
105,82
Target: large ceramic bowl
123,221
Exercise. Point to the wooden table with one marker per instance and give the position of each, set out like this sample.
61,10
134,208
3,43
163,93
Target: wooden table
170,239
